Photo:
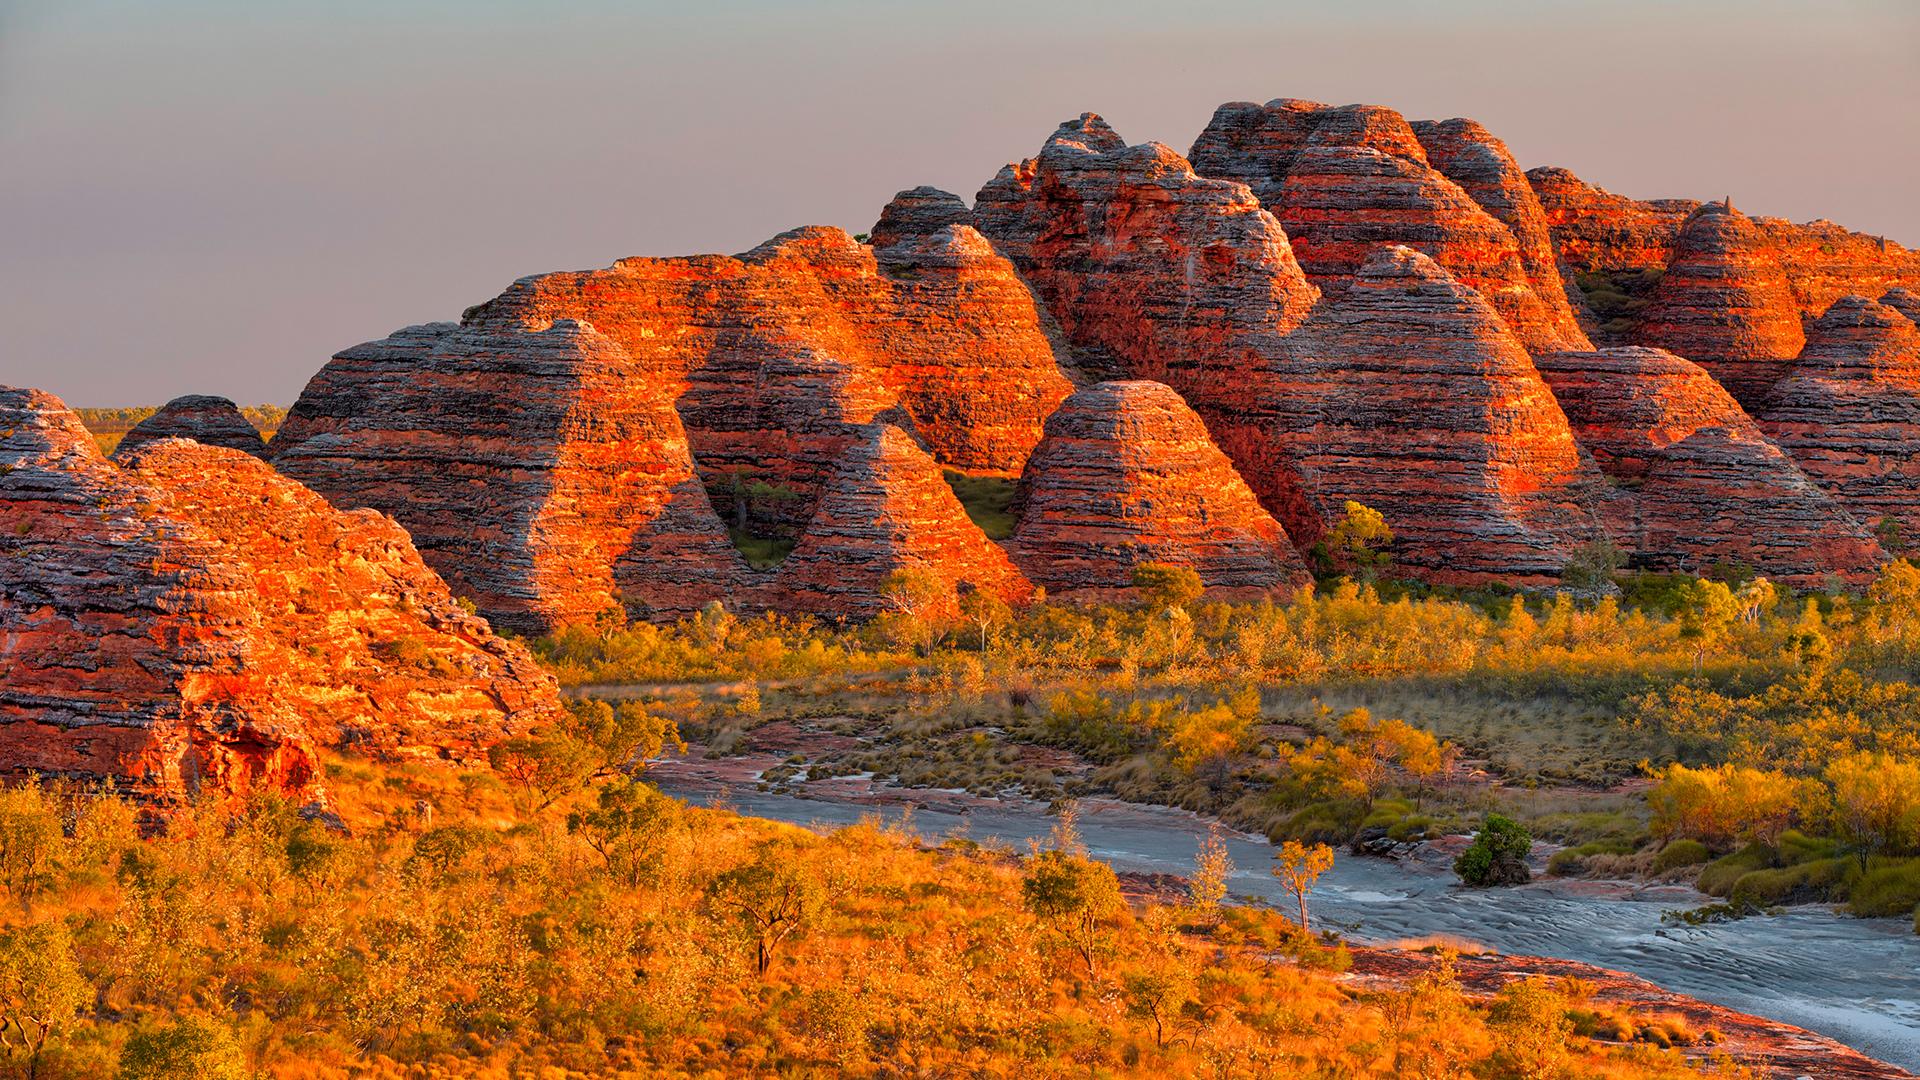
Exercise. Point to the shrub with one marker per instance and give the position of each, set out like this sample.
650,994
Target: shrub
1806,881
195,1048
1719,876
1889,888
1497,855
1680,853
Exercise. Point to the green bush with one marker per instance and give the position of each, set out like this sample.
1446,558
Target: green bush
1573,860
1321,823
1808,881
1680,853
193,1049
1498,854
1797,847
1890,887
1720,875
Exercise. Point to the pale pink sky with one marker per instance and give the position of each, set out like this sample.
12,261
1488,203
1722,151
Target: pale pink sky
210,196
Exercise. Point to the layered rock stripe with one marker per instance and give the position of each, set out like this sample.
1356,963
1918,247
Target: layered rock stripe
1126,474
194,620
1344,181
888,509
214,421
930,330
1421,403
1778,270
1849,411
1155,272
1697,482
543,471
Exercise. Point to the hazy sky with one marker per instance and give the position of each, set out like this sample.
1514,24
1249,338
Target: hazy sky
211,197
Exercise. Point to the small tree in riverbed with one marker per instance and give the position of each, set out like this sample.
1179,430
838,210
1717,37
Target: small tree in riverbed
1212,867
1298,867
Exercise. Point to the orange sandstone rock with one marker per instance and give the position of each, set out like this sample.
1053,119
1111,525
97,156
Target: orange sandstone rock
1154,272
1849,411
543,471
1725,304
887,508
1346,181
215,421
1418,401
1698,483
1126,474
932,318
196,622
1594,229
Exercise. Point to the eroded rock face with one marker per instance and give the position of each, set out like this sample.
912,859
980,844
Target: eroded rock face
1725,304
1849,412
929,320
1698,482
1154,272
1419,402
1484,168
543,472
1816,263
1126,474
1903,300
1824,262
196,621
887,508
1594,229
214,421
1345,181
378,654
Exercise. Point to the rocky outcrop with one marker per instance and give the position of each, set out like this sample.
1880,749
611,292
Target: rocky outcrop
1698,483
1154,272
194,621
1725,304
1849,413
1823,262
1817,263
928,320
1409,394
915,214
1903,300
1778,1051
1345,181
1126,474
1469,155
1418,401
1594,229
888,509
214,421
543,472
378,655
